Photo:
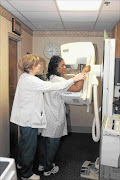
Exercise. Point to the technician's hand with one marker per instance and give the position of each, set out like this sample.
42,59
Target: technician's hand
80,76
86,69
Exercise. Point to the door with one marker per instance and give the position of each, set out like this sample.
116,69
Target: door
12,88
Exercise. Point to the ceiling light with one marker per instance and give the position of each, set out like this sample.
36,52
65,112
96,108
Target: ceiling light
79,5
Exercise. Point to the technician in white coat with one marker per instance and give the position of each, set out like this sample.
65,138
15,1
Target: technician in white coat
28,110
55,115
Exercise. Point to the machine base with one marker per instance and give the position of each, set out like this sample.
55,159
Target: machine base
89,170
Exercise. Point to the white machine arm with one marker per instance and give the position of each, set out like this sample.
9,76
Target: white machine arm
96,121
97,72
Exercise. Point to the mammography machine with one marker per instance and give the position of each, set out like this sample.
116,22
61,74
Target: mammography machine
82,54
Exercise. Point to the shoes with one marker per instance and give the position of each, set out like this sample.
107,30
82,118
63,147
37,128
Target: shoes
54,170
33,177
40,168
19,167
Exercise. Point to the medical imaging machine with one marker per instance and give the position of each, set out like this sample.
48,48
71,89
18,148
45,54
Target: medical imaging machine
80,54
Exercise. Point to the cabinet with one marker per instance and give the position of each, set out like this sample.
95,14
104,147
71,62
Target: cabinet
7,169
110,148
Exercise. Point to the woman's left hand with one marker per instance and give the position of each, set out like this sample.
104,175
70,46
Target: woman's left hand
86,69
80,76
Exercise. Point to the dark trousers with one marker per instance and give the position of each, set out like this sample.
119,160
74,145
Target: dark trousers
26,150
47,149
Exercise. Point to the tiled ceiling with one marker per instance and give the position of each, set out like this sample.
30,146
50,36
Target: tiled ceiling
43,15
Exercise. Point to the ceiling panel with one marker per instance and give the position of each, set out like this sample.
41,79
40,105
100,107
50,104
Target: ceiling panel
109,17
31,0
31,6
41,16
79,16
48,25
79,26
7,6
101,26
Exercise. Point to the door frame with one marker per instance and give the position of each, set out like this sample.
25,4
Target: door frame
19,48
19,55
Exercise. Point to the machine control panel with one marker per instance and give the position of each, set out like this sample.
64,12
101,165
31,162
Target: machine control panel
112,125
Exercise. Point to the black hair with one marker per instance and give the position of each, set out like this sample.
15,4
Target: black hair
53,65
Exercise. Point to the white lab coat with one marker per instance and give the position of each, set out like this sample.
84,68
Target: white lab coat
55,112
28,106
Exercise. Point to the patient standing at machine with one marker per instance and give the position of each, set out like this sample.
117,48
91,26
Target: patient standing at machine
55,115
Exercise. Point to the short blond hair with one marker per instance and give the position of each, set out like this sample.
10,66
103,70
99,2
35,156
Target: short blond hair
28,62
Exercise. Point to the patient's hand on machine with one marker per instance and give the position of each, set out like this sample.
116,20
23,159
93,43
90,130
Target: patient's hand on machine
86,69
79,77
79,85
